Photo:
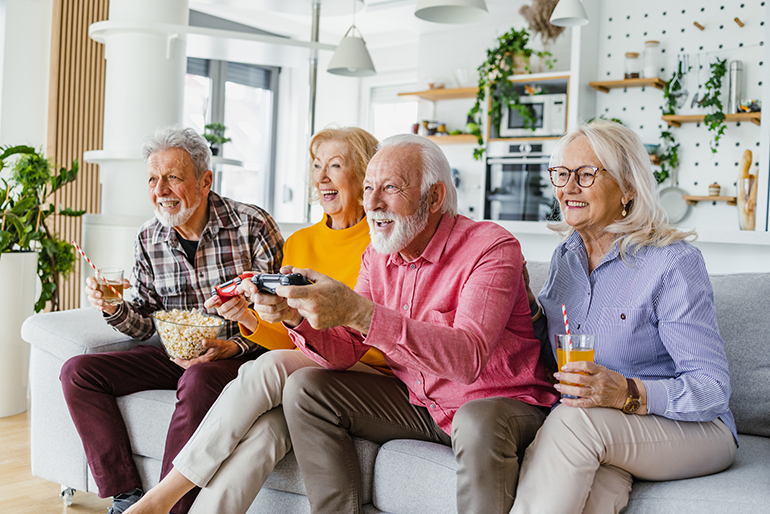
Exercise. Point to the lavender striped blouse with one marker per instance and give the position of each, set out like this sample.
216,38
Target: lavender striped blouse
654,319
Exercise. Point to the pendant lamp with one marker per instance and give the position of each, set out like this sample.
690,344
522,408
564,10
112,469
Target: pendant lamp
569,13
352,59
451,11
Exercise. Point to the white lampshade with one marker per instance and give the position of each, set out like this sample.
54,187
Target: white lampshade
351,59
569,13
451,11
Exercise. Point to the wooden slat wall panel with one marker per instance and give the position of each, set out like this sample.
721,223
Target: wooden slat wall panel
75,116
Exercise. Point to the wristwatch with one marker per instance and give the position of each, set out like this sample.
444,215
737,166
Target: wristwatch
634,400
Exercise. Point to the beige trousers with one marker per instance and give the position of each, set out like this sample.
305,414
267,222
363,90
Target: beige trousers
244,435
584,460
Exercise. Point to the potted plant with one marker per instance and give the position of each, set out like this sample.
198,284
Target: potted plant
25,214
501,62
214,133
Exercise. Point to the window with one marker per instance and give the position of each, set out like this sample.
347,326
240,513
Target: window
243,98
391,114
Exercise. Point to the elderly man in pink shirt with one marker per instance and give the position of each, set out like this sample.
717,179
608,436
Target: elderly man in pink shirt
443,297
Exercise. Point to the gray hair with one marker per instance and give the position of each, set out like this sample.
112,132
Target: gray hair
435,167
187,139
624,157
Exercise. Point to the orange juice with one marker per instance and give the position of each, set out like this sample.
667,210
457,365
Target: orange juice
574,356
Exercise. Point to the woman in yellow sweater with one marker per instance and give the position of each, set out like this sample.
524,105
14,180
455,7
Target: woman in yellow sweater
244,434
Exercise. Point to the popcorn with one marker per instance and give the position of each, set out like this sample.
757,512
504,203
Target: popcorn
182,332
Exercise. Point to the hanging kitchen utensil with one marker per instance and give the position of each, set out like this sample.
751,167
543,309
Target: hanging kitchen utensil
694,102
684,69
672,199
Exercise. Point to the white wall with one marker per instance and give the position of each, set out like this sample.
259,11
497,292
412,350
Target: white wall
25,51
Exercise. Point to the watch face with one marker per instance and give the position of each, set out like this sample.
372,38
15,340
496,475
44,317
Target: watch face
632,405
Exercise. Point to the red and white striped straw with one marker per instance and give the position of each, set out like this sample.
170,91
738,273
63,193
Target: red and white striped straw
95,270
566,324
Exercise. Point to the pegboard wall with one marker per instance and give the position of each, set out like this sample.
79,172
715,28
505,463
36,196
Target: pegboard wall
626,25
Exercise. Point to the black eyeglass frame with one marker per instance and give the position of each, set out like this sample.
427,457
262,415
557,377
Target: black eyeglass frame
575,172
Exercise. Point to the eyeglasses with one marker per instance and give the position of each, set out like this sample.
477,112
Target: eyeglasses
585,175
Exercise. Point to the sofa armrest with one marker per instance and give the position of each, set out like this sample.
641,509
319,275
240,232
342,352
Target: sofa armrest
65,334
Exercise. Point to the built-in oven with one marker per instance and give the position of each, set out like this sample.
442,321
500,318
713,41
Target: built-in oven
518,186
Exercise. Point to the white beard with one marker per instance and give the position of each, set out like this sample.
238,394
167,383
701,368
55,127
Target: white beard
405,229
180,218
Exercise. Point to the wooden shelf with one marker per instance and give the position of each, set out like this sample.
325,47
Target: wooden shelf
459,139
605,86
444,93
693,200
517,139
676,120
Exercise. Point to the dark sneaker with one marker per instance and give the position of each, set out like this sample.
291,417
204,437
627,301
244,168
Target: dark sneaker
123,501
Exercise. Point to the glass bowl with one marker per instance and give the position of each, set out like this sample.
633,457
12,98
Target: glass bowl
182,332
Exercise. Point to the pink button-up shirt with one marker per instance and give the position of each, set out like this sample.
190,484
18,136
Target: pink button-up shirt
454,324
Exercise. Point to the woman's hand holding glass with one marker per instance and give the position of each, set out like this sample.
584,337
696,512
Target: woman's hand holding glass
269,307
599,387
234,309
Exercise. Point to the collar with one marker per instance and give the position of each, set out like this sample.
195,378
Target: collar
436,245
574,243
221,216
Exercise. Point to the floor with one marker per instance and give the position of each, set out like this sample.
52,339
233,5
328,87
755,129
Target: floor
20,492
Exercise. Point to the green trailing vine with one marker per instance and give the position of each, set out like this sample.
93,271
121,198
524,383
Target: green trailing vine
715,120
493,80
669,156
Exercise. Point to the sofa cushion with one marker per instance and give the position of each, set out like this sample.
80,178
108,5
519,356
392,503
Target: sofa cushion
75,332
741,488
147,415
413,477
741,305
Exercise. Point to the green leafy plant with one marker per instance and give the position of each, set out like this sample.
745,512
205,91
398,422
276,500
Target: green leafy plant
715,120
25,215
214,133
669,155
493,81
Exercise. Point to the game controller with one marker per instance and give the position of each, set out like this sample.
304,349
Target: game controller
227,290
267,283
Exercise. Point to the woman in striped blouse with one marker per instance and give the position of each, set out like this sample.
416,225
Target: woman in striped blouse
654,403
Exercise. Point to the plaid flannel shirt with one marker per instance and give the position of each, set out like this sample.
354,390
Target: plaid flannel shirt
237,238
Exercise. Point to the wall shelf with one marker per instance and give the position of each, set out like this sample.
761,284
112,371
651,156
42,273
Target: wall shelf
693,200
676,120
459,139
605,86
444,93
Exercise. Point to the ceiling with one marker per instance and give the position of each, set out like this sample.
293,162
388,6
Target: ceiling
383,23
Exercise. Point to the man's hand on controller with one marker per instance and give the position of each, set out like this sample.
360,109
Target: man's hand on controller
327,302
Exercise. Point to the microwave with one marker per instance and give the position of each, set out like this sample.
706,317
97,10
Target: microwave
550,112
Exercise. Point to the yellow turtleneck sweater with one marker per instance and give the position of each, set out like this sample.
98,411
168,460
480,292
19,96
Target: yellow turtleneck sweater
335,253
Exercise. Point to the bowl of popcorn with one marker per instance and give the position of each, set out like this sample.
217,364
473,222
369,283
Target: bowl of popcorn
182,332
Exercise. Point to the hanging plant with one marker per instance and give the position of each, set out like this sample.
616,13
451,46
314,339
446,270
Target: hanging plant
669,155
493,80
715,120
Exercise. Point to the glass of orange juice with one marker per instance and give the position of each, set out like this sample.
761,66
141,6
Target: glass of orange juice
582,349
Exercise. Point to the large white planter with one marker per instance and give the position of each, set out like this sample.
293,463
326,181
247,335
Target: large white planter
18,280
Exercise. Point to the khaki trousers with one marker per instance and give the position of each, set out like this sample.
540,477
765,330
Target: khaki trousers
584,460
243,435
324,409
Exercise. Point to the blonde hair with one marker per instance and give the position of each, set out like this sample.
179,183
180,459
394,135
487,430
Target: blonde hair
624,157
361,147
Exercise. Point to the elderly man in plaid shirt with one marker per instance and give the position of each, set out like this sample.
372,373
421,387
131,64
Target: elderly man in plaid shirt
196,241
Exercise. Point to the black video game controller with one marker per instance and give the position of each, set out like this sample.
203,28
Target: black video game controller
267,283
227,290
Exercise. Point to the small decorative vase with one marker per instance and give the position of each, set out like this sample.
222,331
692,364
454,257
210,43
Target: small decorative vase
747,202
714,189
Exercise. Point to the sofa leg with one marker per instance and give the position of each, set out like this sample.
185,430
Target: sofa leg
67,493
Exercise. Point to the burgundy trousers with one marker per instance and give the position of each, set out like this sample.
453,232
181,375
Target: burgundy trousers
91,383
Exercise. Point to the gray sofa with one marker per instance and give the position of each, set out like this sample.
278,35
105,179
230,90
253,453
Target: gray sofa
404,477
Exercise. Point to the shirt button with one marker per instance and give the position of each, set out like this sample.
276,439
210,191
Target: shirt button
432,405
419,382
622,316
412,266
201,274
406,306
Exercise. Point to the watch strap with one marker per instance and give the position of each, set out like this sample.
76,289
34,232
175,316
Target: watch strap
633,391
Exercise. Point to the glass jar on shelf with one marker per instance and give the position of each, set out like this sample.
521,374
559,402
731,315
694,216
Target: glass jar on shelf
631,66
651,51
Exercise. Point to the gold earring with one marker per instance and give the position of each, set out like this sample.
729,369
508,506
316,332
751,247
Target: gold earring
624,210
